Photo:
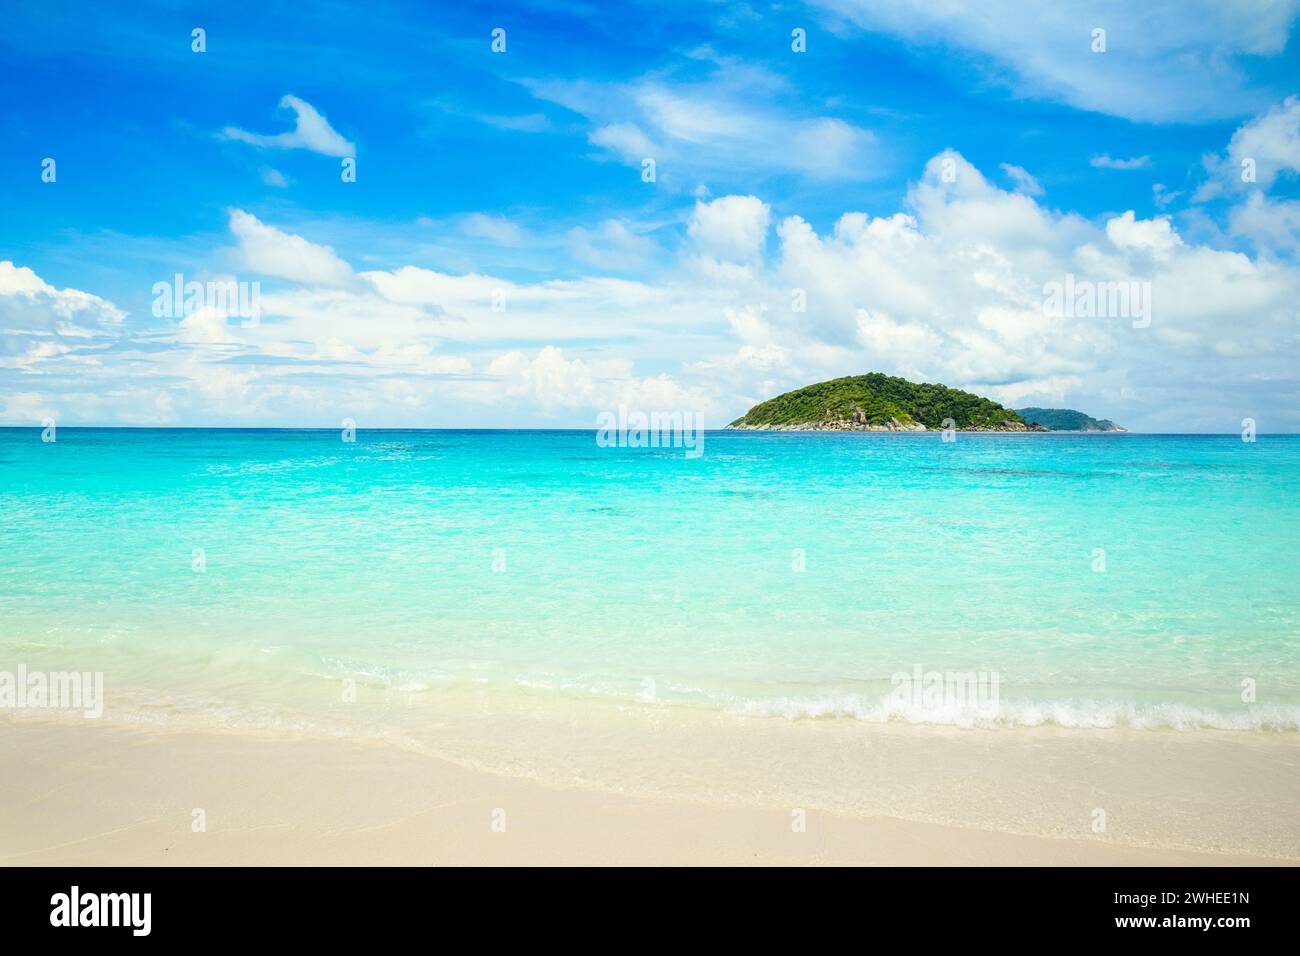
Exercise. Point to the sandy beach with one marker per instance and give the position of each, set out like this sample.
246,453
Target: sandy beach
78,793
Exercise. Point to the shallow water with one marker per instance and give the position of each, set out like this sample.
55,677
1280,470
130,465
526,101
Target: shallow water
778,574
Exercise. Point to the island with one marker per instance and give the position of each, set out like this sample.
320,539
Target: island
1067,420
879,402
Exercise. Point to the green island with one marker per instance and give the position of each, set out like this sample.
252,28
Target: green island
879,402
1068,420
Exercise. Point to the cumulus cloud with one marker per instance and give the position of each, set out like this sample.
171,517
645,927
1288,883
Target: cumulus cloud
40,323
1271,224
1271,142
1262,152
270,252
1155,236
954,291
311,131
555,382
951,287
731,228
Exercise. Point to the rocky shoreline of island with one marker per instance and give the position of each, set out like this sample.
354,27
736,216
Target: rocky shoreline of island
893,425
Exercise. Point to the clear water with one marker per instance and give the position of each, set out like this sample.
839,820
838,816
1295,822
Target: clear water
429,562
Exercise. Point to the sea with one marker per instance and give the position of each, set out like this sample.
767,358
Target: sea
269,578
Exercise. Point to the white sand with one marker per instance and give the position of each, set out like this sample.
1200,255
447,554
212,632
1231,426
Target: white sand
86,792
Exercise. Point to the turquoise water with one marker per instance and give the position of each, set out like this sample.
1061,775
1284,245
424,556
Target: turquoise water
426,561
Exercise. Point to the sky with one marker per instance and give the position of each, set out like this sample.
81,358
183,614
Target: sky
522,215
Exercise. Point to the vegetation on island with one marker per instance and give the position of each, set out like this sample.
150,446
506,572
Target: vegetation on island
1067,420
879,401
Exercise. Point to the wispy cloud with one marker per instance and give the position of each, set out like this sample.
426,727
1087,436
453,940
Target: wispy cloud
610,246
727,122
1162,195
1024,180
1161,62
1105,161
497,229
522,123
311,131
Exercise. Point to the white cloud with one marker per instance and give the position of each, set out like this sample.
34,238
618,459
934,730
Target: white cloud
525,123
1105,161
628,140
270,252
498,229
895,343
725,123
27,408
310,131
750,324
1162,195
1271,141
1162,63
954,292
730,228
611,246
1054,388
949,288
207,325
1259,152
1024,180
1156,236
1270,223
555,383
40,323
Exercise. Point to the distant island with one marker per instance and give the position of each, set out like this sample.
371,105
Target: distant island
879,402
1067,420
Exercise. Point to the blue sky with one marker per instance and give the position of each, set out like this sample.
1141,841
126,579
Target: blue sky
500,260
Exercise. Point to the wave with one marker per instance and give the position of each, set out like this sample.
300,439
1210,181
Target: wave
1072,712
1080,713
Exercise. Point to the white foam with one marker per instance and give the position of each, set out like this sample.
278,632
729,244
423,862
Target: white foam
1082,713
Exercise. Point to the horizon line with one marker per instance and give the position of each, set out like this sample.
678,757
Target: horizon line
596,428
